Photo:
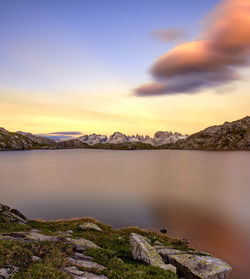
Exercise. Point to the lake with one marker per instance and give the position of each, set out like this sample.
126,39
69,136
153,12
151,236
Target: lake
200,196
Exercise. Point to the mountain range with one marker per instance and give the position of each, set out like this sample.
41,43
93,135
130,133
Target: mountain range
228,136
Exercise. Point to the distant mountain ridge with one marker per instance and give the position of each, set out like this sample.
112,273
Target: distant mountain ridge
228,136
159,138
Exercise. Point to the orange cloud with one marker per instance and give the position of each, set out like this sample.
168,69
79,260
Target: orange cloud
224,46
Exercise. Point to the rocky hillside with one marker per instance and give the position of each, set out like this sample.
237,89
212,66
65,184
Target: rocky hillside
14,141
229,136
38,139
86,249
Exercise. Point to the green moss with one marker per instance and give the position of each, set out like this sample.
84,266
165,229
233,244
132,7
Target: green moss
115,255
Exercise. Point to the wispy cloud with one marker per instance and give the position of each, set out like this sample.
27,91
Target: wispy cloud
75,133
169,34
213,60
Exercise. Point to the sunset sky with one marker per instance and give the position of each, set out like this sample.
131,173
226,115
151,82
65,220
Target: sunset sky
133,66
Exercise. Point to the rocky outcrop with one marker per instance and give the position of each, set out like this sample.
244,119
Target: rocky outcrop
142,250
81,244
81,260
35,245
14,141
188,264
73,143
195,265
78,274
12,215
38,139
229,136
89,226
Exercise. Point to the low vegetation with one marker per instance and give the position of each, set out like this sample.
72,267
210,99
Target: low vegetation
115,253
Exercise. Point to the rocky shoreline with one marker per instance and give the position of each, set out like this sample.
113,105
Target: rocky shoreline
84,248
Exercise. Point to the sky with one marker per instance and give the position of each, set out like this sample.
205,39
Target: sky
135,66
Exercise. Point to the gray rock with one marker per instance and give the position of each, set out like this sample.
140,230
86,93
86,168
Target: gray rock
34,230
35,258
78,274
80,256
157,242
6,273
86,263
142,250
190,265
89,226
81,244
12,215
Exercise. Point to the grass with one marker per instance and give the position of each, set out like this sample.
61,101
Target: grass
115,255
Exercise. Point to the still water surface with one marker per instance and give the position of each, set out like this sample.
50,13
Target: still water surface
200,196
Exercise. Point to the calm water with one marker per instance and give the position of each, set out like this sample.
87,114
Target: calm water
200,196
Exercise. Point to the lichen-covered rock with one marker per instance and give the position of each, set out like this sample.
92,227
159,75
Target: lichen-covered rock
86,263
6,273
12,215
142,250
195,266
78,274
29,236
81,244
89,226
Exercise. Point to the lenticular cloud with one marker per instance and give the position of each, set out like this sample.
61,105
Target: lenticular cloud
213,60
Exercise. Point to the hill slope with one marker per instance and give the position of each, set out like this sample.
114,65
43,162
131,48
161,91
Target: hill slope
229,136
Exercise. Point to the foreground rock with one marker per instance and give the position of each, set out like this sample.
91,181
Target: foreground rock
6,273
12,215
78,274
81,260
79,244
89,226
195,266
142,250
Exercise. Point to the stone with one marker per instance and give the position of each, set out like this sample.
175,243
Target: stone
195,266
6,273
78,274
80,256
12,215
86,263
157,242
142,250
69,231
35,258
81,244
89,226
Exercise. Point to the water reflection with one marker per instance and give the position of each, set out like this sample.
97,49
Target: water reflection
201,196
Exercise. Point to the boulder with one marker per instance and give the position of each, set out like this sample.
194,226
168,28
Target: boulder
12,215
78,274
142,250
89,226
81,244
85,263
195,266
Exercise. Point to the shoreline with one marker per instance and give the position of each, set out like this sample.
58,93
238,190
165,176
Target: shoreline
85,248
